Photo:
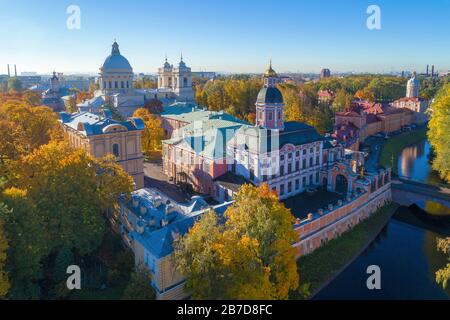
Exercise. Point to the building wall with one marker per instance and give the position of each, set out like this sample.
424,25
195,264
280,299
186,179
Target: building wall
130,159
331,224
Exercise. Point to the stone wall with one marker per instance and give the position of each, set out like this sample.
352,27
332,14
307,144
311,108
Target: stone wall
326,225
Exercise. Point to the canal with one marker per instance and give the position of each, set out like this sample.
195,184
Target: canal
405,250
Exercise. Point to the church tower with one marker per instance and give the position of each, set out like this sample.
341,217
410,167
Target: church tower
413,86
54,83
182,84
165,76
269,103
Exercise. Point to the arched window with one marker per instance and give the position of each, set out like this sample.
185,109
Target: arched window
115,150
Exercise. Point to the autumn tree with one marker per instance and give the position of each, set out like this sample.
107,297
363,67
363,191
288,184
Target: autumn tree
24,128
342,100
153,132
365,94
58,196
83,96
4,280
139,286
443,275
249,256
438,133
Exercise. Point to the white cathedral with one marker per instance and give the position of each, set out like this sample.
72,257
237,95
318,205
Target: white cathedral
116,87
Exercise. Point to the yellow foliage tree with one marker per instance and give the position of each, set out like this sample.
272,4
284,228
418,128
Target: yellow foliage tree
438,133
4,281
153,132
248,257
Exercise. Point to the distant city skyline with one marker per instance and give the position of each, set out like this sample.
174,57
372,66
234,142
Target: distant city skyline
226,36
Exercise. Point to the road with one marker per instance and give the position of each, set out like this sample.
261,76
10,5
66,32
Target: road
372,160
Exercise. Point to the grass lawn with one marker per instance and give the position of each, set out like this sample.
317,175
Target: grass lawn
320,266
395,145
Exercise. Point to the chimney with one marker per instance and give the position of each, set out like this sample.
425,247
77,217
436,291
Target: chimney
9,74
15,71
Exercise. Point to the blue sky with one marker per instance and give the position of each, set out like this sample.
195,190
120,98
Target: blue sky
231,35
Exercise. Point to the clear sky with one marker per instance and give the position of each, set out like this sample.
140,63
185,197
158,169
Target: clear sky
226,35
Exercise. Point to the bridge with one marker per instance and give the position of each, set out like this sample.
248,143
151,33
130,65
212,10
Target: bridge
407,191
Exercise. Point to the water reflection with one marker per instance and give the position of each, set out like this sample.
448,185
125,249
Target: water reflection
407,258
413,161
405,250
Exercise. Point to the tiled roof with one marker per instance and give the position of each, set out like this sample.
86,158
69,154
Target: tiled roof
159,243
91,124
231,181
296,133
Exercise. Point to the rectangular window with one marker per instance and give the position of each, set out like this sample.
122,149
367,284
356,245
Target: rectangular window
311,162
297,166
282,157
281,189
304,163
317,160
290,155
289,168
289,187
297,153
281,170
297,184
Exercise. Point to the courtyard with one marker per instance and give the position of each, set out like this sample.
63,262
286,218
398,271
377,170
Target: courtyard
304,203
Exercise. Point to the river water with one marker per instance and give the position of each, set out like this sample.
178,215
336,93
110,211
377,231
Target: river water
405,253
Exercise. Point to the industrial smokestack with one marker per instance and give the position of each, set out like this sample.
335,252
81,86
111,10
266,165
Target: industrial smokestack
9,74
15,71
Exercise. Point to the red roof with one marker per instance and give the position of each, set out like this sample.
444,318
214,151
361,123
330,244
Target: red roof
325,94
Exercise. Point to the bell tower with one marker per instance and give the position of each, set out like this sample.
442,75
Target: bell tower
269,103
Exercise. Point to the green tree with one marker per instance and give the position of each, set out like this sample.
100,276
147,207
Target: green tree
342,100
438,133
139,286
14,84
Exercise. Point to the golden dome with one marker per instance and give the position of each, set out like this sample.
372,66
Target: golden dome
270,72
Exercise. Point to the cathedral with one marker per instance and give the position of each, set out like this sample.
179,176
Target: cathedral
176,81
116,88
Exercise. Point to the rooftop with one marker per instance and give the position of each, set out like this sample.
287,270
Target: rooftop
162,220
91,124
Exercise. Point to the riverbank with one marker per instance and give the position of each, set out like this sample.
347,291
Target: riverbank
323,265
392,148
